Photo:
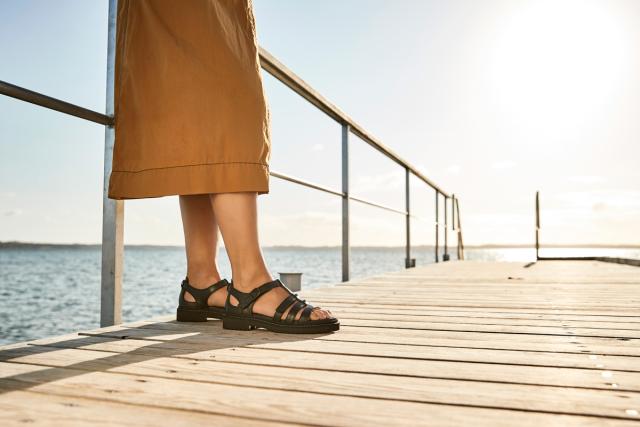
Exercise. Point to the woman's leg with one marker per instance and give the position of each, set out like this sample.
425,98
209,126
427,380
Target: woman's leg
237,217
201,244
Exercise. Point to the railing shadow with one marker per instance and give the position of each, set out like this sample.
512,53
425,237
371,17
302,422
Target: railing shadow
166,339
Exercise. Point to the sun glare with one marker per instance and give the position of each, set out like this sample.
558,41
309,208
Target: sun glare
559,63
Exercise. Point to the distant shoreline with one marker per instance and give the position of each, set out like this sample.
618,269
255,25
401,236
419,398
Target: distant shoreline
19,244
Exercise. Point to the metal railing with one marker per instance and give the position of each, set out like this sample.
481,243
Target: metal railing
113,210
616,260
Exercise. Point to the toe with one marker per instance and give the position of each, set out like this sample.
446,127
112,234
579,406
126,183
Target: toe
317,314
323,314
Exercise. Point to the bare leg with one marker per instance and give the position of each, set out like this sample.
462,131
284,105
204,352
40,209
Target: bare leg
237,217
201,244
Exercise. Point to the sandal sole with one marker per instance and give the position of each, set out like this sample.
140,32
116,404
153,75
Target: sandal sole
245,324
186,315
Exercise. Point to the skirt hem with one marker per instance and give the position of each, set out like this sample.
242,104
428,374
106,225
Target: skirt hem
191,179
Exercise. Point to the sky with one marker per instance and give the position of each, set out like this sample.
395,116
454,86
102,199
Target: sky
492,100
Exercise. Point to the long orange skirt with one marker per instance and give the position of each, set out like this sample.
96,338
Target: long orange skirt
191,115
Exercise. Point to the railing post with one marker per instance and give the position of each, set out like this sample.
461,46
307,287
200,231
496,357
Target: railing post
453,215
346,250
408,262
537,225
112,210
459,228
437,226
445,256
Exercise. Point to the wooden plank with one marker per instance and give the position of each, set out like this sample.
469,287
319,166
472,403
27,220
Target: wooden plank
394,315
503,329
500,373
550,355
273,405
593,345
489,395
20,408
550,313
581,308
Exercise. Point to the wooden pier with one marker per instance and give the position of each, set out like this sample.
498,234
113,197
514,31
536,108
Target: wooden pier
460,343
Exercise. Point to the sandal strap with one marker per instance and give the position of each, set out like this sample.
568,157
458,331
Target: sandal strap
306,313
245,299
299,305
289,300
201,296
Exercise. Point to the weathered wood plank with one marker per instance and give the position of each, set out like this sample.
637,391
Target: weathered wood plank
578,344
490,372
268,404
20,408
509,396
550,313
547,358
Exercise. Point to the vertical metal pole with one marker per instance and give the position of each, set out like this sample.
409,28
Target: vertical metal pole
445,257
459,227
345,203
112,210
408,262
437,226
537,225
453,223
453,212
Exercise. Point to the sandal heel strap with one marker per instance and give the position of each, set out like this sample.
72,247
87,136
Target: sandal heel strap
202,295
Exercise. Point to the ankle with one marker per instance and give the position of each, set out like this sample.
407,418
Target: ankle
248,282
203,280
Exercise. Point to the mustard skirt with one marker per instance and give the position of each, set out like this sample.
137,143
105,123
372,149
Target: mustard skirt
191,115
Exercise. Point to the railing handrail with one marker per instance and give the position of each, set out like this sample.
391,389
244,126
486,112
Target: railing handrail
538,228
36,98
294,82
113,210
273,67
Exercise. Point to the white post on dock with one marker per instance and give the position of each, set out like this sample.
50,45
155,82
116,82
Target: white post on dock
112,210
345,202
293,281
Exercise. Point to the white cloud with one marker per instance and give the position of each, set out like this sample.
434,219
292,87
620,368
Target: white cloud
317,147
387,181
12,212
586,179
503,164
624,201
454,169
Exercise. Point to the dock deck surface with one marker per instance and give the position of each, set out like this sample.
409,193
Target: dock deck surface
458,343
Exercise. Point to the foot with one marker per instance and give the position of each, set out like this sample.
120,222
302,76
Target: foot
216,299
266,304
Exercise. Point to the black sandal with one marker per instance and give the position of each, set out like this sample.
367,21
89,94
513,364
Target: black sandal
242,317
199,310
